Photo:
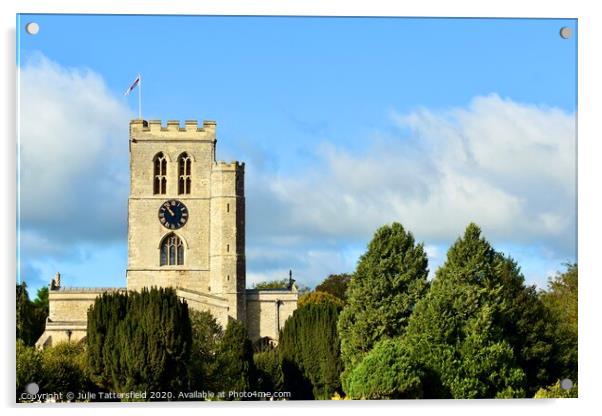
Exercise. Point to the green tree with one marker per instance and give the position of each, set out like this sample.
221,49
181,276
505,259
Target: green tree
309,350
41,300
23,314
386,372
64,369
560,300
140,341
269,370
318,297
234,358
29,366
272,284
472,328
389,280
206,336
31,316
336,285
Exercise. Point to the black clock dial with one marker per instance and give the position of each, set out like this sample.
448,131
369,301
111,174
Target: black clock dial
173,214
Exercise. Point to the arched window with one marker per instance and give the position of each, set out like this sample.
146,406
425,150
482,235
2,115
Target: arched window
159,174
172,251
184,163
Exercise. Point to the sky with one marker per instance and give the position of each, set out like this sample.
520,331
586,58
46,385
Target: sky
345,124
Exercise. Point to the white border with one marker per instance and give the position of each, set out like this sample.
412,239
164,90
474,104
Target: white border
590,207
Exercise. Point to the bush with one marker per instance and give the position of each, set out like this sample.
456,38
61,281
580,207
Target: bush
556,392
269,371
29,366
64,369
387,372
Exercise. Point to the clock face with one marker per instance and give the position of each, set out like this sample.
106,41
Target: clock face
173,214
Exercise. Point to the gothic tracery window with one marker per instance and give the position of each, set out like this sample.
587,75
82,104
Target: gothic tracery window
184,162
159,174
172,251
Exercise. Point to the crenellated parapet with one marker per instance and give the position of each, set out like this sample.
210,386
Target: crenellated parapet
233,166
174,129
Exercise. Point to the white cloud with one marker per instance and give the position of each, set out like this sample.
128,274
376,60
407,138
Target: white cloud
73,155
73,173
508,166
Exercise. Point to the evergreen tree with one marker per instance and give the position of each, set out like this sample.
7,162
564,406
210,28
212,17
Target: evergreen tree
234,360
31,316
390,278
206,336
24,315
140,341
309,350
479,329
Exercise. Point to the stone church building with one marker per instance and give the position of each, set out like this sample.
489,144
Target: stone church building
186,230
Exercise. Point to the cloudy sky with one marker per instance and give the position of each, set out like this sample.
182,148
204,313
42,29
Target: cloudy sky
345,124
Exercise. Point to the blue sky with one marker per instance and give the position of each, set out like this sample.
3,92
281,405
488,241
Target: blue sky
345,124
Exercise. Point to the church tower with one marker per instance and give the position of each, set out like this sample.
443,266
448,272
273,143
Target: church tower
186,217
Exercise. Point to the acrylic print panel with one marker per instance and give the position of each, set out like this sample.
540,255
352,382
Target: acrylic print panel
389,211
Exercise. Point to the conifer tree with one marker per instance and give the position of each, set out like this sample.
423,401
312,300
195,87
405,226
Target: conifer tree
140,341
479,329
234,357
389,280
31,316
309,350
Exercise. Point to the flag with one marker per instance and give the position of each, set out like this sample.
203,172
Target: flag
136,82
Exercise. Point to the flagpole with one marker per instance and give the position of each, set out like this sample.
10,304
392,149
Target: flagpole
139,97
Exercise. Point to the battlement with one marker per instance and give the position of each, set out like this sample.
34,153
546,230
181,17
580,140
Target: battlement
231,166
190,129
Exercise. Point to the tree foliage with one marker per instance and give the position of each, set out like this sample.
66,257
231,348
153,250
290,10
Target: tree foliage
318,297
207,333
386,372
31,316
272,284
140,341
64,369
561,303
310,352
389,280
555,391
336,285
235,365
29,366
269,370
480,329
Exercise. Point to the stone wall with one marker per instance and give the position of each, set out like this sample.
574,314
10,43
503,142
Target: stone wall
68,314
268,310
